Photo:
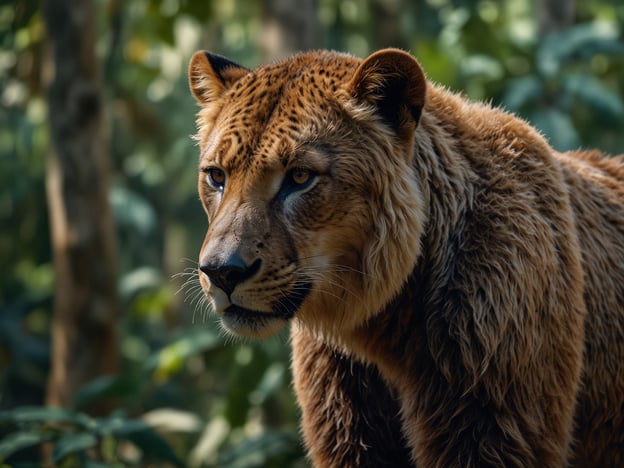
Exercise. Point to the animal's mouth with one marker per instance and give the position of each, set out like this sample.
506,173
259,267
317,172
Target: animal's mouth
252,323
241,313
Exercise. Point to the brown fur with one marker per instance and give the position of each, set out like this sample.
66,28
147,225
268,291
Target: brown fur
456,286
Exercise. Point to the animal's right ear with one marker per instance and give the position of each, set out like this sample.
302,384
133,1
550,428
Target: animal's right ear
394,83
210,75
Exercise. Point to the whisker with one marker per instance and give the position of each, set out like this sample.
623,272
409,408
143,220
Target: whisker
337,267
189,271
285,296
324,277
198,305
193,293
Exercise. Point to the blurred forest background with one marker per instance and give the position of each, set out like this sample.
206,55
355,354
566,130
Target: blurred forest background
106,356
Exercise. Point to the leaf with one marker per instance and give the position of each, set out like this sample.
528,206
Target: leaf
558,128
580,41
272,380
594,93
42,414
256,451
150,303
170,358
146,439
72,443
173,420
482,65
132,210
109,386
20,440
522,91
164,363
138,280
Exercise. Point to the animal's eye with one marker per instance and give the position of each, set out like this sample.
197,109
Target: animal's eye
300,176
216,177
296,180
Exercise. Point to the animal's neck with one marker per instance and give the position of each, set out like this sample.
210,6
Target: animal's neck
442,165
447,180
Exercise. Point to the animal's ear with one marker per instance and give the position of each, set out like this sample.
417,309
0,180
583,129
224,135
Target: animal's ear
394,82
210,75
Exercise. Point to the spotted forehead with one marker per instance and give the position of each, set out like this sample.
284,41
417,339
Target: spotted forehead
267,112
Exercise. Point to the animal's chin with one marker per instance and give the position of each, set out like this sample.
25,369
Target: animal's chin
252,324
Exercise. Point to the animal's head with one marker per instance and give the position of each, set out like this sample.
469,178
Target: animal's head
305,175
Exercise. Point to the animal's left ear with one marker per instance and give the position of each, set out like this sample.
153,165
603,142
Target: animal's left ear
394,82
210,75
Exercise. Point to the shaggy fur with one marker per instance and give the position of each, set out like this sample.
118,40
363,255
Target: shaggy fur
455,285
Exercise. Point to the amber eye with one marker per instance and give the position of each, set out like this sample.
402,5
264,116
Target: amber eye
216,177
296,180
300,176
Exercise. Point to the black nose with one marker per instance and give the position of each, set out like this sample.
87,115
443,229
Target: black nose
228,274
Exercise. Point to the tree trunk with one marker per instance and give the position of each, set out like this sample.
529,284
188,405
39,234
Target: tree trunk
84,341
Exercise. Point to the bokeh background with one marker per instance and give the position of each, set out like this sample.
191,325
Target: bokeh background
108,356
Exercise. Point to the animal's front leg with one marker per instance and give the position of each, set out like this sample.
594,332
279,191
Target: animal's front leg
350,416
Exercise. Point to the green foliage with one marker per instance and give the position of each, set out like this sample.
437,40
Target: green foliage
185,395
244,403
562,86
73,434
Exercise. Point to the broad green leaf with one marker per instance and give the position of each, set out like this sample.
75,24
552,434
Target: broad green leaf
481,65
72,443
272,380
522,92
170,358
557,127
42,414
594,93
116,425
20,440
147,440
173,420
580,41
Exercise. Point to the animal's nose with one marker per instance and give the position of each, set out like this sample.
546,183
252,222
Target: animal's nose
229,273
